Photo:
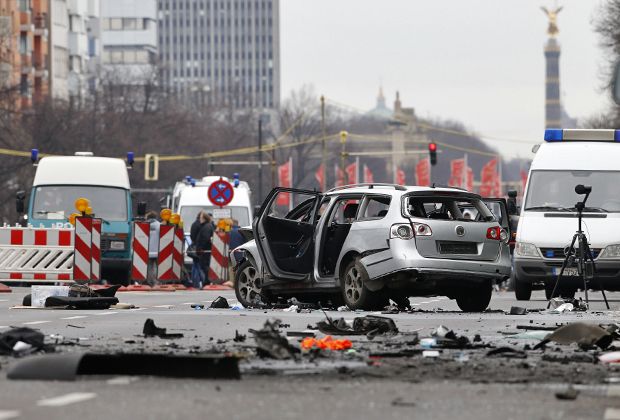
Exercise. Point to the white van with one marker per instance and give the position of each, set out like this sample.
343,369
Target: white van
190,196
548,219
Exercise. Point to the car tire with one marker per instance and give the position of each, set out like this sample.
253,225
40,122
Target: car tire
248,284
355,294
523,291
475,300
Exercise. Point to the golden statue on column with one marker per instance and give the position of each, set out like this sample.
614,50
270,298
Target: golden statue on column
553,15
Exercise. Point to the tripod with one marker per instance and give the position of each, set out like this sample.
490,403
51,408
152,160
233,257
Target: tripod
585,259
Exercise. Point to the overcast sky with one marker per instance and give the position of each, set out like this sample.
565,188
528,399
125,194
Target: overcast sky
480,62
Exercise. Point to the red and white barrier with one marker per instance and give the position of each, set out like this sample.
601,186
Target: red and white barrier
177,254
166,247
140,250
96,250
218,266
42,254
83,248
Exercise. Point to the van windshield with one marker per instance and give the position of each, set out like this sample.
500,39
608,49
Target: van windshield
189,213
54,202
555,191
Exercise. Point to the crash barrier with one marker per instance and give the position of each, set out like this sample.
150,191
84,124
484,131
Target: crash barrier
87,249
170,253
140,250
42,254
218,267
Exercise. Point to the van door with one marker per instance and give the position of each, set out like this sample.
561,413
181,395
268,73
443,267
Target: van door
285,239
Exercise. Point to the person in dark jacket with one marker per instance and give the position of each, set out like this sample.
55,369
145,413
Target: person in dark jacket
197,276
203,245
235,240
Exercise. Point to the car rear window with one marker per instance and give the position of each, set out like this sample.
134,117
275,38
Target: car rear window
448,208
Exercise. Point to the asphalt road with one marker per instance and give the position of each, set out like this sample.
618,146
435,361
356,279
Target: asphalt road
390,388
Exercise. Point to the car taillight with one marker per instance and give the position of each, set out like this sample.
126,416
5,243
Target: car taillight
420,229
493,233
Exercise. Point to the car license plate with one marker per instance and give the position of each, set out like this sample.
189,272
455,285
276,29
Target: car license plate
567,272
458,248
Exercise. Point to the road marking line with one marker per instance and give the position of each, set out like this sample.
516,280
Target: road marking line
613,391
612,414
188,303
415,304
435,300
4,326
122,380
163,306
35,322
9,414
426,301
63,400
136,309
75,317
108,313
4,300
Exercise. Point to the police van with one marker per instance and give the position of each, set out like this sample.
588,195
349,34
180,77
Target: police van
190,196
548,218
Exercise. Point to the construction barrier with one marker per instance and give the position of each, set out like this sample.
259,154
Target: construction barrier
96,250
83,248
218,266
140,250
166,247
177,254
138,288
41,254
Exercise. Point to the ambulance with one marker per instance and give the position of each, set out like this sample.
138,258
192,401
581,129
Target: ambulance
548,218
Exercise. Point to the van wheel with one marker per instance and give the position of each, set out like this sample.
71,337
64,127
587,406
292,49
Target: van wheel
248,284
354,292
475,300
523,291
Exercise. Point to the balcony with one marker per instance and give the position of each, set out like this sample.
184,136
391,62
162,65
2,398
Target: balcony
40,25
26,21
40,68
27,67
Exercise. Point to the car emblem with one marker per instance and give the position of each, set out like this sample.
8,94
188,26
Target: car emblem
460,230
567,248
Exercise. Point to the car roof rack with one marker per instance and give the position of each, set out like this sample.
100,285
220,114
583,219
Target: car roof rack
370,185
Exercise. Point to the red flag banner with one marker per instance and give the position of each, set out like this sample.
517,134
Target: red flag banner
319,176
400,176
284,180
457,167
352,173
368,178
338,176
470,179
423,173
487,178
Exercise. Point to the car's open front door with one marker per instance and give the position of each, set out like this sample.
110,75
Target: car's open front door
499,208
285,238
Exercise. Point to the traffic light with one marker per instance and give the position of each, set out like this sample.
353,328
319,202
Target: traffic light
432,153
151,167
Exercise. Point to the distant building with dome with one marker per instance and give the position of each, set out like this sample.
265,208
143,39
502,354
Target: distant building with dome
381,109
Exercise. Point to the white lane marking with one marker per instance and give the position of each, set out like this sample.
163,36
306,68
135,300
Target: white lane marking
4,300
188,303
415,304
63,400
75,317
35,322
426,301
613,391
163,306
612,414
107,313
9,414
4,326
136,309
434,300
122,380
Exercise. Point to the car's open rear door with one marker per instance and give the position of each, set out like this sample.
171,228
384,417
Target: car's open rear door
499,208
285,238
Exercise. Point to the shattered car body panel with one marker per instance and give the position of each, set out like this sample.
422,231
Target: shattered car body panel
417,241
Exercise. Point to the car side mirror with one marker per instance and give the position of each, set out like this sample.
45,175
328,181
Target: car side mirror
511,203
141,208
21,196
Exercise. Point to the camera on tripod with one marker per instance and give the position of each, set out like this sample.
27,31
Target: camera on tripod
582,254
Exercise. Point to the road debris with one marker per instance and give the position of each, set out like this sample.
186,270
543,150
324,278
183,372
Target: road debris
19,342
271,344
150,330
570,394
219,303
507,352
518,310
585,335
370,325
326,343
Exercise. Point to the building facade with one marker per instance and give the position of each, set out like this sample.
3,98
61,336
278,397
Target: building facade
221,52
59,49
83,39
129,38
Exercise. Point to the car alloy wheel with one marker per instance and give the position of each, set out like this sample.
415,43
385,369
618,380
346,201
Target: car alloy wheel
247,284
353,285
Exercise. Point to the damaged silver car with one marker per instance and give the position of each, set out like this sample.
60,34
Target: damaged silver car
362,245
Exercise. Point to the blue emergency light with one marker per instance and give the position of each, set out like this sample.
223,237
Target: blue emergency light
188,178
236,177
193,182
130,158
552,135
34,155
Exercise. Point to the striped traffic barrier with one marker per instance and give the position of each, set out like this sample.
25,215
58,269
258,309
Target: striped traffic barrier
177,254
218,266
83,250
140,250
166,247
96,250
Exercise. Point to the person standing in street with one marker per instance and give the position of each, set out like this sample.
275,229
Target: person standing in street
235,240
197,276
203,245
151,276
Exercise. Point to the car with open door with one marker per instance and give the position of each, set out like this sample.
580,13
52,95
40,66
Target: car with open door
365,244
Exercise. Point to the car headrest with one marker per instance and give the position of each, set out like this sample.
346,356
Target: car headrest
350,210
